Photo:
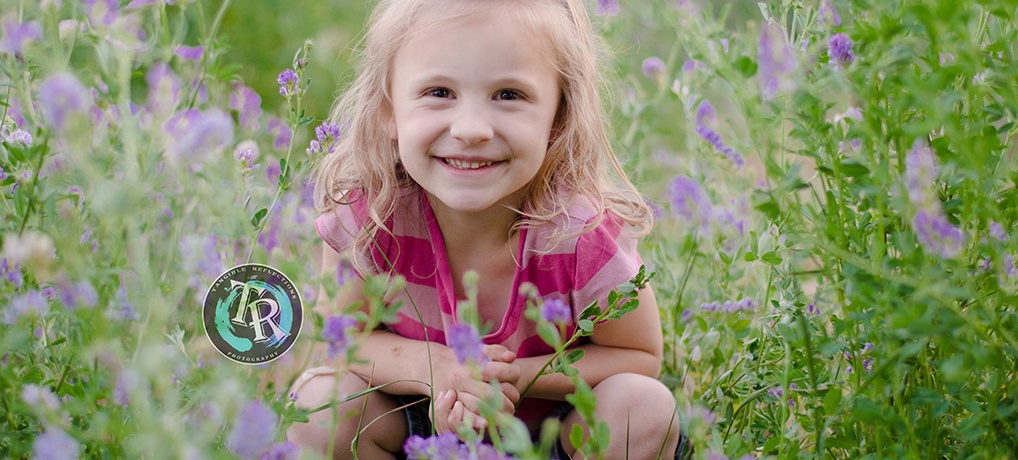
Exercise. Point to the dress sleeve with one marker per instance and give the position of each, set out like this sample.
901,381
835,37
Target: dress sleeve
340,227
605,258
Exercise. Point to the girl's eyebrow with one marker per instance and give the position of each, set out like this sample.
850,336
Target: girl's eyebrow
528,85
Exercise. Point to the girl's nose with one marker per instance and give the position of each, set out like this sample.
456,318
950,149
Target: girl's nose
471,125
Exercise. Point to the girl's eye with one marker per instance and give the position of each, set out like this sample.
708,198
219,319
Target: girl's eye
438,92
508,95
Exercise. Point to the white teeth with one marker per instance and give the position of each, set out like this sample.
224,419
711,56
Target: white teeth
459,164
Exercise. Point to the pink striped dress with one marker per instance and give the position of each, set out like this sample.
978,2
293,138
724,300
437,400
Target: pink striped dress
577,270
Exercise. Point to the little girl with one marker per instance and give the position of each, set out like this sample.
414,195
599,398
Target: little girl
475,141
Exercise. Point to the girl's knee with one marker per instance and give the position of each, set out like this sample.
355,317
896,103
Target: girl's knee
636,394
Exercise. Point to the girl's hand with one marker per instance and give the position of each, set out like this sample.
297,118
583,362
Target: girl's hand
450,414
503,369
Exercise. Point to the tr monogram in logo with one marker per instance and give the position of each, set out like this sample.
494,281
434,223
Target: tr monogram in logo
257,319
252,313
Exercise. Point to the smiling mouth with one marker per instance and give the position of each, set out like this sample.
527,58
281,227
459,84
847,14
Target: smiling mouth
460,164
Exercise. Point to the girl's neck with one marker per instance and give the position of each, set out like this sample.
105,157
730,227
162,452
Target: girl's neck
474,230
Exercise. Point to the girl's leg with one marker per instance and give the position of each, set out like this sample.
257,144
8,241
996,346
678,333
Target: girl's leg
639,411
385,436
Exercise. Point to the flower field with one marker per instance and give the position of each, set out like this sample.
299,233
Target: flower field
834,184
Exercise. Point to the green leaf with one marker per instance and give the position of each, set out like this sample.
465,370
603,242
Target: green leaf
256,219
586,327
549,334
576,436
771,257
832,402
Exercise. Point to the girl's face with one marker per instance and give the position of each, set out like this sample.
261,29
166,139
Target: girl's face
474,101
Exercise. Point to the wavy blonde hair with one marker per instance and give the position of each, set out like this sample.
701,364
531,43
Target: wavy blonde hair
579,161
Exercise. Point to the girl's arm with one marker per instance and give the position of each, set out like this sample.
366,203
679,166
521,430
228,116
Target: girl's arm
632,343
410,365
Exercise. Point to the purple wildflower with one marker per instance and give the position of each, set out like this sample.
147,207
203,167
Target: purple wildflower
556,311
189,53
20,136
686,316
446,446
946,58
55,444
653,67
607,7
40,397
986,264
248,105
272,173
16,34
689,201
776,392
335,333
937,234
285,450
997,231
691,65
920,175
194,135
246,153
715,455
163,89
3,174
326,136
126,381
813,310
704,116
839,49
61,97
1009,266
828,14
253,430
121,308
11,272
78,295
201,259
288,83
102,12
776,61
30,303
724,45
465,342
283,133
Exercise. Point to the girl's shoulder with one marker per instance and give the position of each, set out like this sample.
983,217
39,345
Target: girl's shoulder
580,225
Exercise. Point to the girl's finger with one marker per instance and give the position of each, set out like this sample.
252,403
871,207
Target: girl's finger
443,406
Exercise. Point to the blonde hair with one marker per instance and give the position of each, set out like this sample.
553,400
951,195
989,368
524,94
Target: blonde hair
579,161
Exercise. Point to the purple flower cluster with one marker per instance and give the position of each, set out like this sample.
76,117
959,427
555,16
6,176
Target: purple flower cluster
997,231
653,67
839,49
55,444
78,295
61,97
248,105
863,354
289,84
163,89
335,333
247,153
692,64
285,450
776,392
40,397
828,14
932,228
31,303
447,446
326,136
704,117
11,272
607,7
17,34
195,135
466,344
283,134
689,200
19,136
775,61
745,304
253,430
556,311
189,53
